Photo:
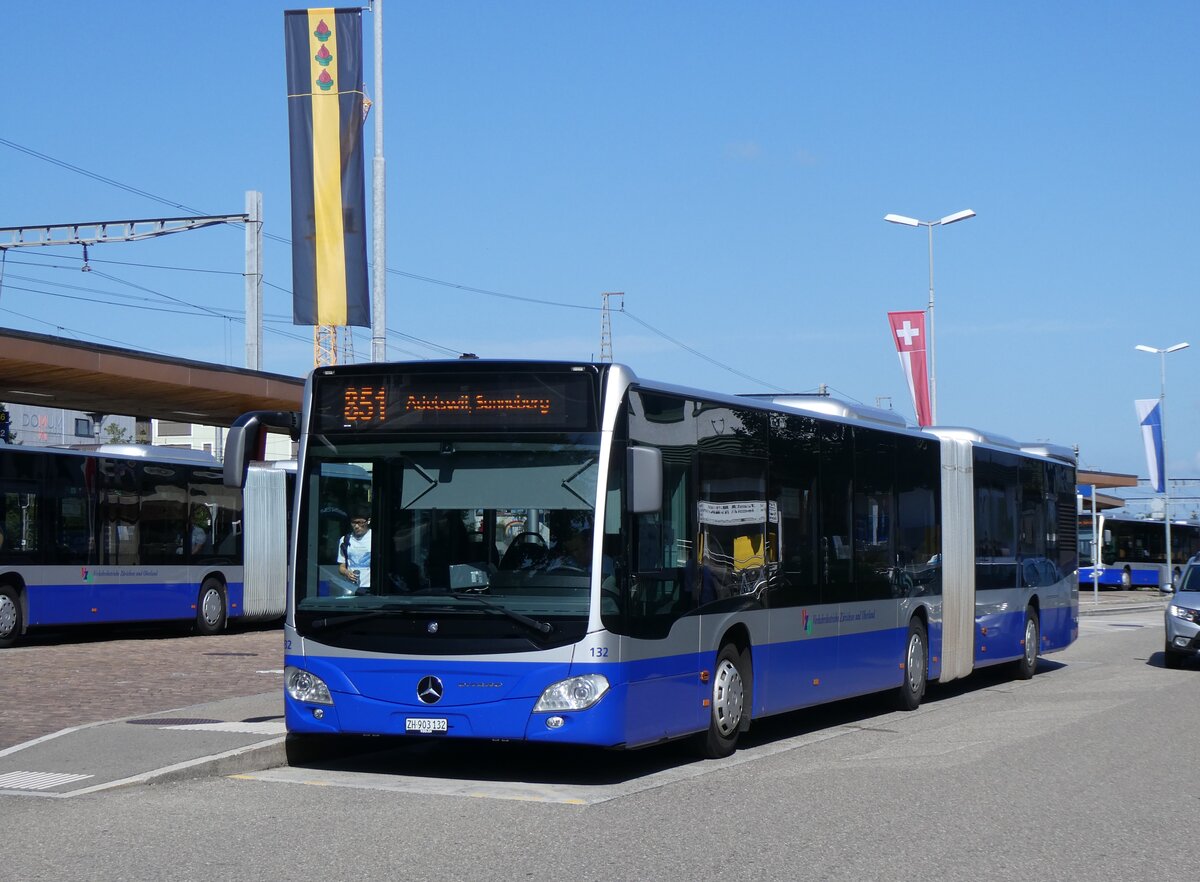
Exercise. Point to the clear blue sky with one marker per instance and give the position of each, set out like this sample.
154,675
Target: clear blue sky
727,166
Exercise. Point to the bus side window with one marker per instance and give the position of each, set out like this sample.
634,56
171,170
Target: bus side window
19,521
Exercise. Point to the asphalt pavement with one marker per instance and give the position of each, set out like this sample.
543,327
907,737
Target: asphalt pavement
92,713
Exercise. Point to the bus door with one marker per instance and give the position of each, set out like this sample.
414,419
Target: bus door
663,642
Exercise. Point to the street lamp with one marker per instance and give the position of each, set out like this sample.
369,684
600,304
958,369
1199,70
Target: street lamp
913,222
1162,425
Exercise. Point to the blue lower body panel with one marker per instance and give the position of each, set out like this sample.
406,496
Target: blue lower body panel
479,700
1140,576
88,602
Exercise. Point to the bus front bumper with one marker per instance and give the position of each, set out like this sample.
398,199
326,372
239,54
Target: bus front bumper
449,701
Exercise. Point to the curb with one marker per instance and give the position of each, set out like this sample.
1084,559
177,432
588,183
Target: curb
1086,608
253,757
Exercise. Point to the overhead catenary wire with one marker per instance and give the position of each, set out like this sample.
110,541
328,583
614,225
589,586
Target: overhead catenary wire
414,276
81,335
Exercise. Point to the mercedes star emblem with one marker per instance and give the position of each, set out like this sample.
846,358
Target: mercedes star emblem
430,690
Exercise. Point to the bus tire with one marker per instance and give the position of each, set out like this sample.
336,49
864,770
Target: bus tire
1126,579
1027,663
916,667
10,616
210,608
727,704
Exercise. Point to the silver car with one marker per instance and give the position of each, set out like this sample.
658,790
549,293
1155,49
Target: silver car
1183,618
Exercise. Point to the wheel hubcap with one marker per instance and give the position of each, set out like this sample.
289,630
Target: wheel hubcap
727,698
1030,642
210,607
8,616
915,663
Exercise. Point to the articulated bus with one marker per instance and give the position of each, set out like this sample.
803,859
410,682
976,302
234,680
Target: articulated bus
133,533
1133,551
566,553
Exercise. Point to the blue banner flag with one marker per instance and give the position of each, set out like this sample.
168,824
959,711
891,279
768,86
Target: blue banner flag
325,123
1149,411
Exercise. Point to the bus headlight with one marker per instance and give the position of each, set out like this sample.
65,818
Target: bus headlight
303,686
576,693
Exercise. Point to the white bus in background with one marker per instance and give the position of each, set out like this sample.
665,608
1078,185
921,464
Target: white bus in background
1133,551
134,533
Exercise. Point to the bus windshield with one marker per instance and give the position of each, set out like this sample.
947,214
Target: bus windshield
492,539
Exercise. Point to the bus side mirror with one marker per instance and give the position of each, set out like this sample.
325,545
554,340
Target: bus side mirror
644,472
247,440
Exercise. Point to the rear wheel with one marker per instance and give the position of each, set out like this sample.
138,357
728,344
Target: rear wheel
10,616
912,690
210,608
727,705
1027,664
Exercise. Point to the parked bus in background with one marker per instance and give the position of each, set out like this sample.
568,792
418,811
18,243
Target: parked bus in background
565,553
132,533
1133,551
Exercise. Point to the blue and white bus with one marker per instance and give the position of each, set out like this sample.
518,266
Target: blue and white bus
566,553
1133,551
132,533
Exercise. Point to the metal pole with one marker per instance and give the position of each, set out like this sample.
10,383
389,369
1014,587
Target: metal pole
379,276
932,356
254,323
1162,419
1095,551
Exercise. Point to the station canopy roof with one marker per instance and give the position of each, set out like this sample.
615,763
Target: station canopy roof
1087,479
39,370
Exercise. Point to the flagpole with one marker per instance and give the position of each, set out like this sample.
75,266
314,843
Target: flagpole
378,214
1162,422
930,345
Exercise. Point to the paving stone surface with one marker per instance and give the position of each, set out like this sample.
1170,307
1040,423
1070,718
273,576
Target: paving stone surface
58,680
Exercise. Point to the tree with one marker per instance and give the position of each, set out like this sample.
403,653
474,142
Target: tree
116,434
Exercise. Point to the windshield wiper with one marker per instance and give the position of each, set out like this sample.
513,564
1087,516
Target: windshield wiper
425,609
531,624
339,621
566,484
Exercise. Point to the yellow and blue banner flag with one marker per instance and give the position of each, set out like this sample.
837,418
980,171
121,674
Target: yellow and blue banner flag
325,123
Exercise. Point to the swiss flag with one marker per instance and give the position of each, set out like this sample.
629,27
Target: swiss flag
908,333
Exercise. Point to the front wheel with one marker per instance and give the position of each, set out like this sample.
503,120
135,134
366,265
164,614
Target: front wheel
10,616
1027,664
210,608
912,690
1172,659
1170,589
727,706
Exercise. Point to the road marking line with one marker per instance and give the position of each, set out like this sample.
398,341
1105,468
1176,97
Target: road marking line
38,780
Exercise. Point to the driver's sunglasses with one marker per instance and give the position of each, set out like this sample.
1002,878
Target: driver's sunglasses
358,522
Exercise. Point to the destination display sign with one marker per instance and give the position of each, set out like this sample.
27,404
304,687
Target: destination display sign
427,402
